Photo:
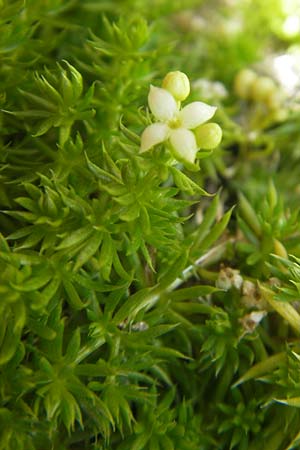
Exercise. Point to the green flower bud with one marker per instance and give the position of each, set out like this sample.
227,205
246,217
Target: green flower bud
208,136
263,88
274,100
177,83
243,83
280,115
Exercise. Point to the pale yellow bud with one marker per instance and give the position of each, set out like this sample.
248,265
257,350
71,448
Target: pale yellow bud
274,100
280,114
263,88
208,136
177,83
243,83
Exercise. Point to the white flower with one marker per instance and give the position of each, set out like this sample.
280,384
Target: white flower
174,125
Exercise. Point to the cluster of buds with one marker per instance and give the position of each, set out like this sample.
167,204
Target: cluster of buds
210,90
248,85
184,130
250,321
229,278
251,298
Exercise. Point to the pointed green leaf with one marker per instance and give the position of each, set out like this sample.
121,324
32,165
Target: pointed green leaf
174,271
262,368
40,329
73,297
9,345
90,248
73,347
133,305
103,175
286,310
76,238
99,369
33,283
106,256
185,184
216,231
192,292
249,214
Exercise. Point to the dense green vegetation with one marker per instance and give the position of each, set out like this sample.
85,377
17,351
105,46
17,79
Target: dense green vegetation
147,303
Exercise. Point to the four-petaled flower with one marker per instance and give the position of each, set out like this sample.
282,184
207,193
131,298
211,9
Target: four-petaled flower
178,127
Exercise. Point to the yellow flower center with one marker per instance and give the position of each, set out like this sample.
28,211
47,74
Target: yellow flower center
174,122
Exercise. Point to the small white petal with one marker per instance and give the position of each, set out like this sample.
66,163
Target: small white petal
152,135
162,104
195,114
183,144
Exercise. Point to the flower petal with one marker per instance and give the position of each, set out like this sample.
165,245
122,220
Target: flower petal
162,104
195,114
183,144
152,135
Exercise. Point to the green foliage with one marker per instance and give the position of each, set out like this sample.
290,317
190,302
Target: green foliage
267,228
144,306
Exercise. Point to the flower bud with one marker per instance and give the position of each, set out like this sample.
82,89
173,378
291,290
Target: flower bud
250,321
263,88
274,100
229,278
243,83
251,296
177,83
208,136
